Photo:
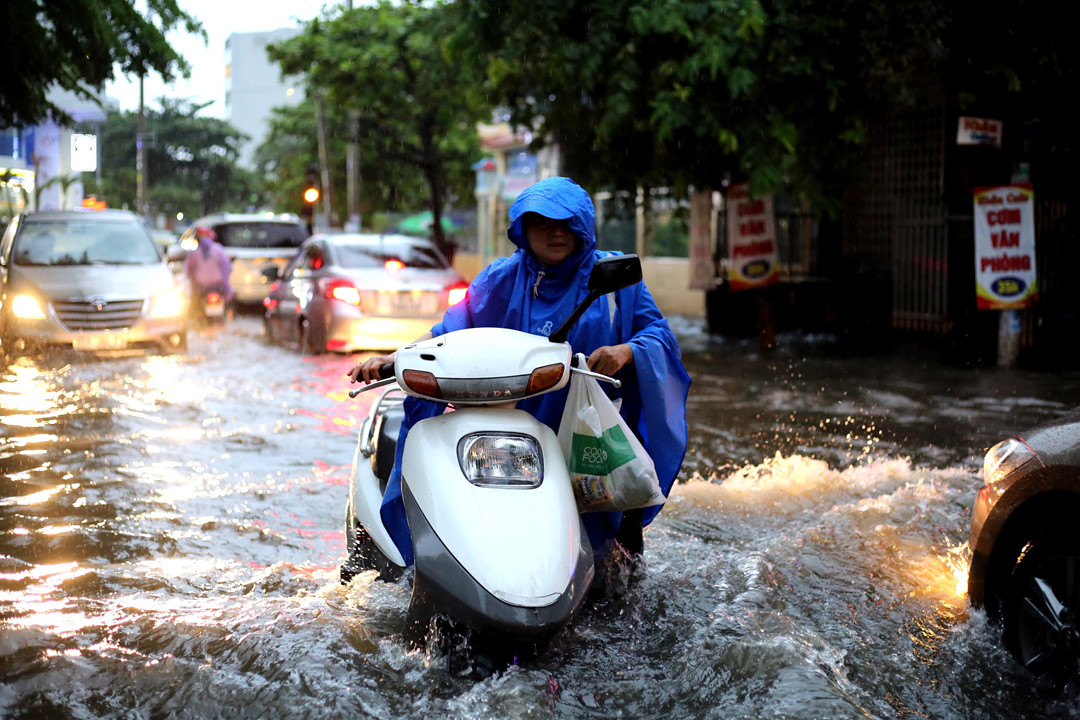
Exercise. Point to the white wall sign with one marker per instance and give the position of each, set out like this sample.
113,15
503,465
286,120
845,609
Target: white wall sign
979,131
83,153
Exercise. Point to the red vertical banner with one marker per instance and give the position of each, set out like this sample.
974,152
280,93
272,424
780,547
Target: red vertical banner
753,258
1005,247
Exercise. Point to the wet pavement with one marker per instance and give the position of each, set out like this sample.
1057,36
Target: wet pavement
171,527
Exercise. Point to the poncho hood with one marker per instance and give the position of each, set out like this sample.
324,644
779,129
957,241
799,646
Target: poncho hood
558,198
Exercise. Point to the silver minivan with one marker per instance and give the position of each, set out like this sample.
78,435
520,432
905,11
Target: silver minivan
91,280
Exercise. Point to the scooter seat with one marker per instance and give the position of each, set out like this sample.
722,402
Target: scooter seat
387,425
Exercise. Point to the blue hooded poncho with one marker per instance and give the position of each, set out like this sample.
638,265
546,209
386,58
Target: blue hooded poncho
518,292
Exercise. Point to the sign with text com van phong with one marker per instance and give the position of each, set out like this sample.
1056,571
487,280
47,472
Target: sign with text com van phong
751,230
1005,247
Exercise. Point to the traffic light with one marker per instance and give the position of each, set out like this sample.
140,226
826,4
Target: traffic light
311,196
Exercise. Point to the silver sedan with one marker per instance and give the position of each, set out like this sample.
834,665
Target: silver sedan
351,292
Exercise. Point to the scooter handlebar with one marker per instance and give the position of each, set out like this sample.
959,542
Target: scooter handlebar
579,364
386,372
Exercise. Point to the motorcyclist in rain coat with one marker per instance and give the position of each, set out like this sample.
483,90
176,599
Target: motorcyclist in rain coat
208,266
522,293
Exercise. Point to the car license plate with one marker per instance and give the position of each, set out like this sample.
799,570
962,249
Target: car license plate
100,341
407,304
215,309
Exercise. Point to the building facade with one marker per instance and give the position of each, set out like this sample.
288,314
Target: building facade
254,86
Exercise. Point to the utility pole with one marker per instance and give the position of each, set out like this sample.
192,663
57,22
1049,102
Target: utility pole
324,164
140,155
352,172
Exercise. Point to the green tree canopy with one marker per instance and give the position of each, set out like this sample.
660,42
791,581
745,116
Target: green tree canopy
190,161
695,92
290,150
418,105
75,45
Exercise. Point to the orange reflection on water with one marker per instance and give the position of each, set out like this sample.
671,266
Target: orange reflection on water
58,529
41,604
164,383
39,497
25,390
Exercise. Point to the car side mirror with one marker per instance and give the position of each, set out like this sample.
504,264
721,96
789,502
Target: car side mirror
614,273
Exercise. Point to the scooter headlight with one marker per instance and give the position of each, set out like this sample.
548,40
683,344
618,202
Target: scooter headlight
1005,458
501,460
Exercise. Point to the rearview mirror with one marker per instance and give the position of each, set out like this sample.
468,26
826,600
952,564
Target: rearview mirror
614,273
608,275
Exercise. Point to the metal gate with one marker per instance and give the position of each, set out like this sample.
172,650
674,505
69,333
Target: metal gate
897,217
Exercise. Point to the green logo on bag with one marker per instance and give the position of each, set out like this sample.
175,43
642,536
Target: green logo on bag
593,455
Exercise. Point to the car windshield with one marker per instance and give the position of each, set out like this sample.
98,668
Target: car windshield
260,235
84,241
376,256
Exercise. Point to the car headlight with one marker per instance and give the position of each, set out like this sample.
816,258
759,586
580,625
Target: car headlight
509,460
1005,458
26,308
169,304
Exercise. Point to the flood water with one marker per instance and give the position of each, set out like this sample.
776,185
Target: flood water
171,530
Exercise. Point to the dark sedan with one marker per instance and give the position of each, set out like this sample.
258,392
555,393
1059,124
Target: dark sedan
1025,566
351,292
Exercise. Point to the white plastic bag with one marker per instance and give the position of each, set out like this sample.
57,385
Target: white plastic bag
609,469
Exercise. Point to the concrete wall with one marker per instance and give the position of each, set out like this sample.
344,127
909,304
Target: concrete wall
666,279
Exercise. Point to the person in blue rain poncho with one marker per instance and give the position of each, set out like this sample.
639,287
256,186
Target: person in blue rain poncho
534,290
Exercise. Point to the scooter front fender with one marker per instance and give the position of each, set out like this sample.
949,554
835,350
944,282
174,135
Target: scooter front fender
522,545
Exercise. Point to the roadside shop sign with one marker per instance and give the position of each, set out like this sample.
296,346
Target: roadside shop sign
979,131
753,258
1005,247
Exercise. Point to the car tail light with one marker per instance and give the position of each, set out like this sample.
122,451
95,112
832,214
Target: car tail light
342,290
456,293
213,298
269,303
394,265
336,345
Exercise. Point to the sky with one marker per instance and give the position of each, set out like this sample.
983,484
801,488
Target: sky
220,18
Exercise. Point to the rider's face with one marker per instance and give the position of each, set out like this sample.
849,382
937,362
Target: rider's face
550,240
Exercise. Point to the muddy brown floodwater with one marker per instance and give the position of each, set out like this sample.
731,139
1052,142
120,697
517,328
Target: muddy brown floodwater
171,527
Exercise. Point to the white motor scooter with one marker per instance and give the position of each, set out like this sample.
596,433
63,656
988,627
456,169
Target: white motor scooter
499,545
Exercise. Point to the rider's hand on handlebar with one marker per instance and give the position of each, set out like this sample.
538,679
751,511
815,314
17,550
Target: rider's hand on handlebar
609,359
368,370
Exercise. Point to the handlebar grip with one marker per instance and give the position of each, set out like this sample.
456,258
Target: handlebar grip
386,371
